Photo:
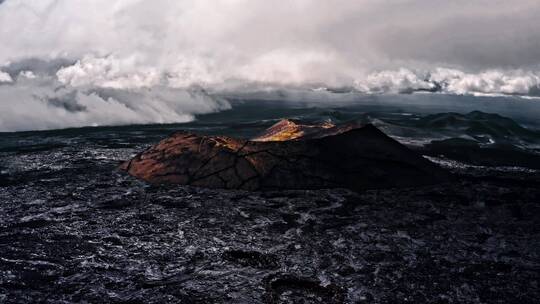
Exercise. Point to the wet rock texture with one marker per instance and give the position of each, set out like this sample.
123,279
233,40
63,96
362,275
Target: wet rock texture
74,229
334,157
98,235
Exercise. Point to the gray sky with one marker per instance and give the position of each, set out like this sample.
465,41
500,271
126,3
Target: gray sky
290,41
93,62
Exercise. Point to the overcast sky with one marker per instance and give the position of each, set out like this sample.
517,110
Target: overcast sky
294,40
88,46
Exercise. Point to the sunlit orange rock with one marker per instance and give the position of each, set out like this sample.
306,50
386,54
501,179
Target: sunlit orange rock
287,156
287,129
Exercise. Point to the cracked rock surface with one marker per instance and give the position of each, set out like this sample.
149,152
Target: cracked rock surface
74,229
354,158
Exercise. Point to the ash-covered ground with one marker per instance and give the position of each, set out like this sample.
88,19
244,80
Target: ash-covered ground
73,228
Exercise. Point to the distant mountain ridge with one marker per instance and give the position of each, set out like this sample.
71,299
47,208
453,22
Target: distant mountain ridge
479,125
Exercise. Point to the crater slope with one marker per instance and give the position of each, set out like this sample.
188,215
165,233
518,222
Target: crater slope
287,156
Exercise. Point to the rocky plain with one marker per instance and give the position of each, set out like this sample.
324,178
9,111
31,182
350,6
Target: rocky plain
74,228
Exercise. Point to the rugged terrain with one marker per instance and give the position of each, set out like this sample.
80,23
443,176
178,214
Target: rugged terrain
74,228
105,237
286,157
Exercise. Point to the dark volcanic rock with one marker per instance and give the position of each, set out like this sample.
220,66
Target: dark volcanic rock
289,289
355,158
481,126
75,230
472,152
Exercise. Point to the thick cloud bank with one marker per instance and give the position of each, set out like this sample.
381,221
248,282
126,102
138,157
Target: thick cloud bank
452,81
85,62
5,77
214,41
39,102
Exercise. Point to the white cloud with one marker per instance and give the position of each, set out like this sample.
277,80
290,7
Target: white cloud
452,81
108,72
27,74
402,80
43,103
517,82
136,42
5,77
85,62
